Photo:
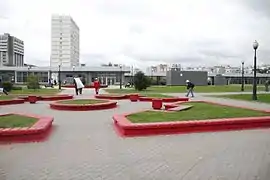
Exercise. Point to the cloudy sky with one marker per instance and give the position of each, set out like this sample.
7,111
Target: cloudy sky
146,32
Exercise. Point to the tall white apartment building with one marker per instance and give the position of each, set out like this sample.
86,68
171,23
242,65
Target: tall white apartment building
11,51
65,42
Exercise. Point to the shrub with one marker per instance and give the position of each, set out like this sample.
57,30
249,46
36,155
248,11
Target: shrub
7,86
17,88
33,82
141,82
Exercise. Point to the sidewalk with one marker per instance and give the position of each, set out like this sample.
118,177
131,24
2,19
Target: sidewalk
85,146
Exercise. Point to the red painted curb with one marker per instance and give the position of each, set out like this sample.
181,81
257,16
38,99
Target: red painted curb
11,101
86,107
37,132
165,100
127,128
112,97
49,98
87,86
56,97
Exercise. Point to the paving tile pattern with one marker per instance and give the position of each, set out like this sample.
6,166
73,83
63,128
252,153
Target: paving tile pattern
84,146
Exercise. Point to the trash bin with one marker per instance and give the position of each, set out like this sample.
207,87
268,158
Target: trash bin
134,97
32,99
157,104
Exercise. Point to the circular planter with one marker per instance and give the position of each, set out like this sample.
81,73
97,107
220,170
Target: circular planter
60,105
11,101
112,96
157,104
134,97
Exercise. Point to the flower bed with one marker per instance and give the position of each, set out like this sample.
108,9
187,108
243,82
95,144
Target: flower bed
18,132
146,124
83,105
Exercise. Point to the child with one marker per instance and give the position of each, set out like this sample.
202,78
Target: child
96,85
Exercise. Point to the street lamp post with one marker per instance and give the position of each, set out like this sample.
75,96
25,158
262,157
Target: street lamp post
73,69
242,80
59,76
120,76
254,94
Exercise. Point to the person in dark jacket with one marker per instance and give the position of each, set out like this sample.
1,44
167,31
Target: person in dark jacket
2,89
190,87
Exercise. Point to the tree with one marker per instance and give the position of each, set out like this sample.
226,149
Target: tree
32,82
141,82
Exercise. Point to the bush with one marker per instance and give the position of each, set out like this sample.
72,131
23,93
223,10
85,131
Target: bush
33,82
17,88
7,86
141,82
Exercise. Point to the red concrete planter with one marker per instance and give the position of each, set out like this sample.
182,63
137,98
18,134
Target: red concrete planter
112,96
85,107
56,97
134,97
11,101
32,99
165,100
49,98
87,86
157,104
127,128
38,132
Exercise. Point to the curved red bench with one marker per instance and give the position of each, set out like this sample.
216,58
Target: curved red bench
39,131
112,96
165,100
83,107
127,128
12,101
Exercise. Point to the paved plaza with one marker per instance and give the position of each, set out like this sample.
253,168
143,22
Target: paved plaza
84,146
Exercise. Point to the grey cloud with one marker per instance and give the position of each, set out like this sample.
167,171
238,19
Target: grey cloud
95,59
260,6
4,9
220,53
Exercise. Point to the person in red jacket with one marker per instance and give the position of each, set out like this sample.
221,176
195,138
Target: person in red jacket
96,85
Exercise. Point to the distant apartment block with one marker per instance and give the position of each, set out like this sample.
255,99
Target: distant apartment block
160,68
65,42
11,51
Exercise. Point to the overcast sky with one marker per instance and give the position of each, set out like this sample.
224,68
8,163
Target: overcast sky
145,32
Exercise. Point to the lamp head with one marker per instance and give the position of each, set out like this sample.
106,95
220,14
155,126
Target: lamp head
255,45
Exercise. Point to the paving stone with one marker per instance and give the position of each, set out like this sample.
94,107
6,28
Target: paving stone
84,146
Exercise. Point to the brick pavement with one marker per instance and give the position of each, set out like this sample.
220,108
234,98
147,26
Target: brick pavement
87,148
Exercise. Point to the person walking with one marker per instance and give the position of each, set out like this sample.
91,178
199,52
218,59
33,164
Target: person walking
96,85
78,85
190,87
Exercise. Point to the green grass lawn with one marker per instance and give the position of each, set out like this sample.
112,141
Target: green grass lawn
155,95
181,89
37,91
83,101
7,97
199,111
12,121
265,98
